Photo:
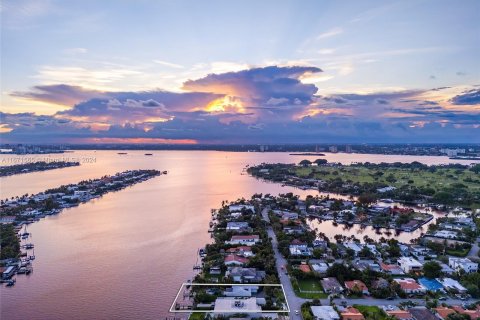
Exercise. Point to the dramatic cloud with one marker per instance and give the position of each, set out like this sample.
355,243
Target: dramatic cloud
468,97
258,105
260,86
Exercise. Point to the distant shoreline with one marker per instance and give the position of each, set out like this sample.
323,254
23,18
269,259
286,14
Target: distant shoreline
308,154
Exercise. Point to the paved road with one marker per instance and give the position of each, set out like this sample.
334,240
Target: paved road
294,302
473,254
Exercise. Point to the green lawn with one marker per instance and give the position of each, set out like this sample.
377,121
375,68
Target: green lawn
197,316
372,312
457,253
309,285
425,178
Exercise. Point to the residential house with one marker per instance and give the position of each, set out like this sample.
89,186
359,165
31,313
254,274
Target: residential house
234,260
400,314
324,313
240,274
352,313
294,230
410,286
238,226
319,267
474,314
241,291
331,285
7,220
248,240
409,264
356,286
443,312
391,269
229,305
452,285
422,313
464,264
240,207
244,251
304,268
298,248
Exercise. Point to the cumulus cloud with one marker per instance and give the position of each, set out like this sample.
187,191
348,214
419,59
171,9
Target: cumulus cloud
257,86
258,105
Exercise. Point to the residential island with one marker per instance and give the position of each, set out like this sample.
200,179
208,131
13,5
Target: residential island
34,167
17,212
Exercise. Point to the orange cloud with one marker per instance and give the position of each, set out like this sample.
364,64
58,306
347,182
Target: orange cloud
135,140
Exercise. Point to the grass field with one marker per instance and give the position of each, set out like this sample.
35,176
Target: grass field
309,285
396,177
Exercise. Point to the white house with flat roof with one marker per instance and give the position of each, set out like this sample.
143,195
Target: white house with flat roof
229,305
452,284
464,264
409,264
324,313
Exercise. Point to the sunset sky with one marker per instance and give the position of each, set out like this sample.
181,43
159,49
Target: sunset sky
240,71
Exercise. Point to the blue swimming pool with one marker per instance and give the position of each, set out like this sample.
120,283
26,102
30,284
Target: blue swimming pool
430,284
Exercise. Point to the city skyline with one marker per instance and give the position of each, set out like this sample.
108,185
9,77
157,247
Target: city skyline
187,72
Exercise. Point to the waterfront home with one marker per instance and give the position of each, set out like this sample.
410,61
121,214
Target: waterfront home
356,286
240,207
7,220
400,314
244,251
352,313
443,312
451,284
392,269
241,291
234,260
320,244
422,313
229,305
409,264
420,251
331,285
446,234
248,240
464,264
324,313
294,230
238,226
353,246
286,215
239,274
410,286
215,271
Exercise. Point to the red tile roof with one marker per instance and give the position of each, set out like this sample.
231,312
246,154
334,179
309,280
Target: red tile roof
355,283
400,314
352,313
443,312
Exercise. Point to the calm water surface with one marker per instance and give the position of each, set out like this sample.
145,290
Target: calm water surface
124,256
